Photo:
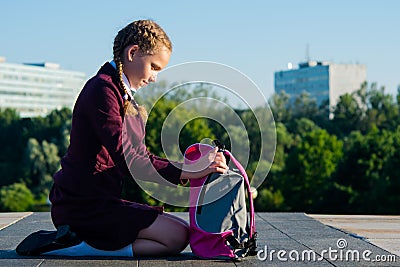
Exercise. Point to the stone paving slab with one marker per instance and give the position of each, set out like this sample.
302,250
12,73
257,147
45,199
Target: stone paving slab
289,232
319,237
8,218
383,231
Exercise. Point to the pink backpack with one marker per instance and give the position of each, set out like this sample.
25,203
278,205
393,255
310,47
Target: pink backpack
220,226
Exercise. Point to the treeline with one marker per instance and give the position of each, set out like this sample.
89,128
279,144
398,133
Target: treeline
30,152
327,160
339,160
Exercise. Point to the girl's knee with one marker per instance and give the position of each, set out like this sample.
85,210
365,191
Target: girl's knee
171,233
180,240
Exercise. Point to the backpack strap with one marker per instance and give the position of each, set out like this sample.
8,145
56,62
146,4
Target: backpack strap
234,242
245,248
243,173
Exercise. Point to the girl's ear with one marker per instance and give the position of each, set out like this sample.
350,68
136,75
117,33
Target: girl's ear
131,51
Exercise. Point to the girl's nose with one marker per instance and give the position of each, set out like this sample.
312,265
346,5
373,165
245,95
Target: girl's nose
153,78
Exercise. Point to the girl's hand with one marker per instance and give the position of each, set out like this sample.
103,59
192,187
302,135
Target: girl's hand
213,161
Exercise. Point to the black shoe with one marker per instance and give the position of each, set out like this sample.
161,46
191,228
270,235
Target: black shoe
45,241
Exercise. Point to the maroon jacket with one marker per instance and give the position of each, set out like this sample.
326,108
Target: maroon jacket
105,146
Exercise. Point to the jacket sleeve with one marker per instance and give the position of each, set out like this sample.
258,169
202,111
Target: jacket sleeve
128,153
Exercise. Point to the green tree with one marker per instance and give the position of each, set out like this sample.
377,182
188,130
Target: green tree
155,124
184,115
280,107
284,142
237,137
269,200
270,197
304,106
16,197
368,169
185,125
54,128
382,110
261,131
287,110
391,175
12,144
302,126
62,142
306,178
348,115
41,162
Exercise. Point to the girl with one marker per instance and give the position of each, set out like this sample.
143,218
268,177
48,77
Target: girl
86,191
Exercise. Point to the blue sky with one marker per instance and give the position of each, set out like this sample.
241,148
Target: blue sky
255,37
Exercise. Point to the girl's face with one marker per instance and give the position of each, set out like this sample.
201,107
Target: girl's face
142,69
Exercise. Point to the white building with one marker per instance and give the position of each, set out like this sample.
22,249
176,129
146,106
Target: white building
321,80
36,89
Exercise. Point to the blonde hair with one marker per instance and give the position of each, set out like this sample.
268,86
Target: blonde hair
150,37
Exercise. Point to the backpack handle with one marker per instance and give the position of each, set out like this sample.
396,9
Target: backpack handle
243,173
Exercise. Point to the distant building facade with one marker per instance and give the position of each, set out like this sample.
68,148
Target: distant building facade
323,81
37,89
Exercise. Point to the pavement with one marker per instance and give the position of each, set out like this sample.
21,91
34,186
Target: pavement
284,239
380,230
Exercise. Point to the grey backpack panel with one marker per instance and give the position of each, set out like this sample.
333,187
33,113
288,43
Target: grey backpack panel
222,205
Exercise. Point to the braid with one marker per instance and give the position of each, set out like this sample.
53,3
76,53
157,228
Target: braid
120,72
150,37
128,108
